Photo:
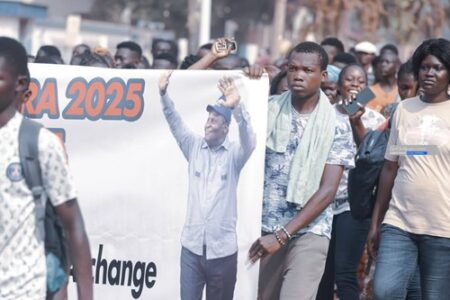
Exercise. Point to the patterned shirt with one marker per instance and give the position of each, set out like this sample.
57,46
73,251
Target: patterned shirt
276,210
213,177
371,120
22,260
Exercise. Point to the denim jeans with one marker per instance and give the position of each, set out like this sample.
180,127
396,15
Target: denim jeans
348,238
219,276
399,254
413,291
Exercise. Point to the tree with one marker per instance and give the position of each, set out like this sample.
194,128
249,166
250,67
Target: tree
398,21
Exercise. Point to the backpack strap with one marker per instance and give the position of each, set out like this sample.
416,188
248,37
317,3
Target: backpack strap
29,160
29,155
49,226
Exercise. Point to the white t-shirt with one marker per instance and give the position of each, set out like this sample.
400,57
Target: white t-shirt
22,260
420,201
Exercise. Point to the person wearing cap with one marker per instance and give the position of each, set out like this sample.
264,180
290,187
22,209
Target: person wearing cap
365,53
329,86
209,241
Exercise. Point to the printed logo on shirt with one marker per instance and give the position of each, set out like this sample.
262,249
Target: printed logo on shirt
427,130
14,172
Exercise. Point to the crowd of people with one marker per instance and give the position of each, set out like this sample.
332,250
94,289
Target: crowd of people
311,244
129,55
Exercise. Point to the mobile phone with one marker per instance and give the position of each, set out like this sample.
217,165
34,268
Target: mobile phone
362,98
229,44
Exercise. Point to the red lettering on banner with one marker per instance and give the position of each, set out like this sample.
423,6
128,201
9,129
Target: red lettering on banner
116,89
48,99
95,99
134,103
42,100
112,100
27,107
60,133
76,90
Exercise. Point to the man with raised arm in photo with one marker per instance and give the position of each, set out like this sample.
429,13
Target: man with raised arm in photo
209,240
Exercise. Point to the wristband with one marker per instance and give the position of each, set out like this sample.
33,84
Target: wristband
276,230
280,241
286,232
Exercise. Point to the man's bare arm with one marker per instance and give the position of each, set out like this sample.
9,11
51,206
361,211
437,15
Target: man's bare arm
320,200
78,246
329,184
210,58
384,194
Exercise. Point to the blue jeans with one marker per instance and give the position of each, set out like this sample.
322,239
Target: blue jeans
348,238
399,254
219,276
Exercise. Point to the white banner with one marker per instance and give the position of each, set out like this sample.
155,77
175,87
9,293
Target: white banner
132,177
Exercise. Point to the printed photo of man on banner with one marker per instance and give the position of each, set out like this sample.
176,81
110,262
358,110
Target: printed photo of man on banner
209,242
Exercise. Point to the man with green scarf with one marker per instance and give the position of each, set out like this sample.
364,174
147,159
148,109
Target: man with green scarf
307,150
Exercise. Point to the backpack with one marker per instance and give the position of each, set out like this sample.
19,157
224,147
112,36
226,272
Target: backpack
55,242
363,179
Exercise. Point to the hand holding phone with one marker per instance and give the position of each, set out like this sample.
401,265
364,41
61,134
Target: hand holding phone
225,45
353,104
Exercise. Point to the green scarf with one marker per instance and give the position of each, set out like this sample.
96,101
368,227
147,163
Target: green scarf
311,155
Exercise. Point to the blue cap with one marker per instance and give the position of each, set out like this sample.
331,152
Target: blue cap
333,73
221,110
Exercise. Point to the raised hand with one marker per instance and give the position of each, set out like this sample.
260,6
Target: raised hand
164,82
356,116
230,92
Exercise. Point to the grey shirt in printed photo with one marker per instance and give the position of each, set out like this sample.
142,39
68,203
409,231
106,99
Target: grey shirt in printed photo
213,177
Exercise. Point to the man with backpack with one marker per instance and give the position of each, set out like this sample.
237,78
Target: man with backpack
22,209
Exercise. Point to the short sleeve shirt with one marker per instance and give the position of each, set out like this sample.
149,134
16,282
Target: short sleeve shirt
420,201
276,210
371,120
22,261
382,98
